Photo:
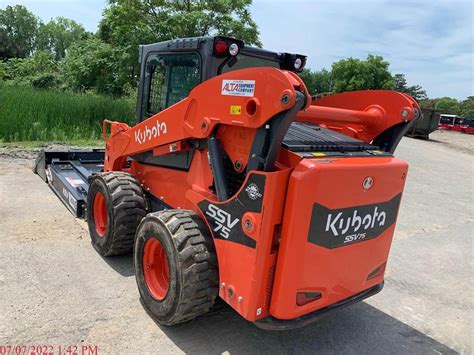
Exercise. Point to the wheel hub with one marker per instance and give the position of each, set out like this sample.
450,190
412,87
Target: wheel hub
156,268
100,214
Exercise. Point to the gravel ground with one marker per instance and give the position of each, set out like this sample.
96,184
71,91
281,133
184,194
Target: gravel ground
56,290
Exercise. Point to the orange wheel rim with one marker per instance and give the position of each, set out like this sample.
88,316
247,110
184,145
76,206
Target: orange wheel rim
100,214
156,269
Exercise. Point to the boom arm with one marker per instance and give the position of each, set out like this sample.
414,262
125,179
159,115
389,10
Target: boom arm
366,115
261,100
218,101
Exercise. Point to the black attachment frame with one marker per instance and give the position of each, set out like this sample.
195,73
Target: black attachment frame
68,174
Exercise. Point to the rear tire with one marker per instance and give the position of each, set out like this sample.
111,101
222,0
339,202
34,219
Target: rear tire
115,207
182,284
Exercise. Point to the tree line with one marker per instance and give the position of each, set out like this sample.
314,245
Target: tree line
61,54
373,74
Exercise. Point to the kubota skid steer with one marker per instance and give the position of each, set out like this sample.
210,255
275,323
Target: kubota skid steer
236,183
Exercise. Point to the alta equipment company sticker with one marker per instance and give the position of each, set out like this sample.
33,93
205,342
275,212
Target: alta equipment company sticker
238,87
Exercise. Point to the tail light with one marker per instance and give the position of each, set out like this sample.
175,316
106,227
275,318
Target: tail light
221,47
224,46
303,298
376,272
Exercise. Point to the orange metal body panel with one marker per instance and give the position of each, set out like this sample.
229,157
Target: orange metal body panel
340,272
246,274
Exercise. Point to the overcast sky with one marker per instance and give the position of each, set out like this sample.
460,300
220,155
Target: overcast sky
431,41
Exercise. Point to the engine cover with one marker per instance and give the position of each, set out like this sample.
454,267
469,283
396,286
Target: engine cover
338,225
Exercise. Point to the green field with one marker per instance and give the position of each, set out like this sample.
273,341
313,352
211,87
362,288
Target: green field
28,114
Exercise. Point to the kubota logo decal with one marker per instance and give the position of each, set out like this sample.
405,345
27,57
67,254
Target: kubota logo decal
334,228
340,224
238,87
147,134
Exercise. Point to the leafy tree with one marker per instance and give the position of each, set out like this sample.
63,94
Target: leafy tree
18,29
39,70
466,107
317,81
355,74
141,21
58,35
126,24
400,83
92,64
415,91
447,105
429,103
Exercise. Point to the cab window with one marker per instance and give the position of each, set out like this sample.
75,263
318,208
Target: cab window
171,78
243,61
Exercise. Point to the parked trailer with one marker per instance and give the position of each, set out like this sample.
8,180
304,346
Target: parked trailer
427,123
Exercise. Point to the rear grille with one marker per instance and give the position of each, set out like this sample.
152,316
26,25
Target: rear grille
307,137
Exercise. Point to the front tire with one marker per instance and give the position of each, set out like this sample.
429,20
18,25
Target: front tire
175,266
115,207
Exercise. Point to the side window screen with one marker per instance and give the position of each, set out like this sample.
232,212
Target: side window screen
172,76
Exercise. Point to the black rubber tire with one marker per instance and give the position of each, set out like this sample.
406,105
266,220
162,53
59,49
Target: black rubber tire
192,263
126,207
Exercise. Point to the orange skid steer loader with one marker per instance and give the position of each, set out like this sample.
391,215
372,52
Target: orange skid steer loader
236,183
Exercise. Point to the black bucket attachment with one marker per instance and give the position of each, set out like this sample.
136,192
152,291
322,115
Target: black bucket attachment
68,173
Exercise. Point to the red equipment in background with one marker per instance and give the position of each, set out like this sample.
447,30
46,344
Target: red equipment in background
450,122
467,126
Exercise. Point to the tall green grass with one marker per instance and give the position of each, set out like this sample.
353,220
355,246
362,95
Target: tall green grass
28,114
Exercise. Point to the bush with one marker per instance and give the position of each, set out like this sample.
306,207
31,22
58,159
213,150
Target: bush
44,81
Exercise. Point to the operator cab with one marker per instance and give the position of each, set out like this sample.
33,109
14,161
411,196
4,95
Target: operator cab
171,69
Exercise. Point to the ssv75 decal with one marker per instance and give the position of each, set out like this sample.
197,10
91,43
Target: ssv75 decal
225,219
335,228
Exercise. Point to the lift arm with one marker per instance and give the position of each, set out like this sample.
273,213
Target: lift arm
264,101
244,98
367,115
